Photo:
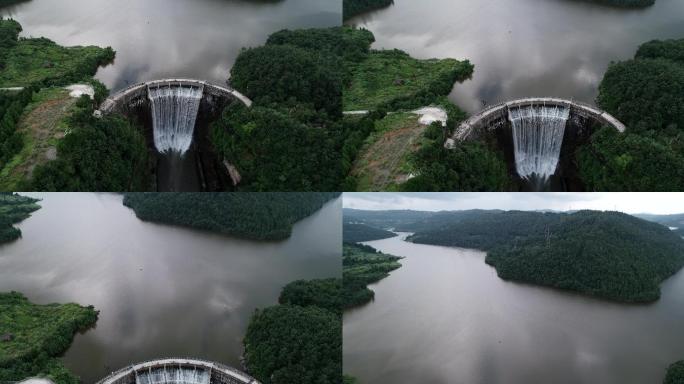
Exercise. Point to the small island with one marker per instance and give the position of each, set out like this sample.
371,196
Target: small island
33,336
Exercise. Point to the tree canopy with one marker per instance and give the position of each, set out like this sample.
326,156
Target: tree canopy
14,209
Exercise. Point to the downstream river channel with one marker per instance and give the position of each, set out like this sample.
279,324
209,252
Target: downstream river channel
162,291
445,317
523,48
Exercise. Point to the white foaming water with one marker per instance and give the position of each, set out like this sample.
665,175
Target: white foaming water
537,138
173,375
174,112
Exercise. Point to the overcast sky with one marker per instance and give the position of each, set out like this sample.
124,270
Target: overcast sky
658,203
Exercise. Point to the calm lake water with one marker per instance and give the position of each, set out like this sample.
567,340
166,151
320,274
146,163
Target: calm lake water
523,48
157,39
445,317
161,290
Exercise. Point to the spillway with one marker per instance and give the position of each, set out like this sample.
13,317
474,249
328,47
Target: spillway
173,375
174,113
538,132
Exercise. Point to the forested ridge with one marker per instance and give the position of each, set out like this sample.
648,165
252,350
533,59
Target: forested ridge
605,254
37,335
260,216
359,232
13,209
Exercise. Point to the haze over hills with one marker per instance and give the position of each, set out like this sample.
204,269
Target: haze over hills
611,255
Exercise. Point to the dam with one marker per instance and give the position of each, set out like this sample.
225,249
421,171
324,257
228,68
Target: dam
538,136
175,116
178,371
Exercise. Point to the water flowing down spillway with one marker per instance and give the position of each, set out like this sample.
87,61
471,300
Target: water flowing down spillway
173,375
537,138
174,112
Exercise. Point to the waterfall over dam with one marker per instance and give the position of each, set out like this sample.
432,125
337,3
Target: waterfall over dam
538,132
173,375
174,113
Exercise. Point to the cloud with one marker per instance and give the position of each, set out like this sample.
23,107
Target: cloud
657,203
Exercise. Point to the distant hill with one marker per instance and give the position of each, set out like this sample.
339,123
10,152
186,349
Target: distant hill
358,233
674,222
385,219
606,254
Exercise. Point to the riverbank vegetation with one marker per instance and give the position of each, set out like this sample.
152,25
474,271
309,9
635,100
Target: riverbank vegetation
260,216
647,95
351,8
35,335
363,265
675,373
14,209
610,255
299,340
359,232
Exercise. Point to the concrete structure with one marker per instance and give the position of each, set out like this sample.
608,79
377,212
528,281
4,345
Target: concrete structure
497,116
137,94
219,373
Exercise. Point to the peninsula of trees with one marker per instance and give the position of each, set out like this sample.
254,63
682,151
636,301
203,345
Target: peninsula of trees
610,255
33,336
259,216
363,265
299,340
359,232
13,209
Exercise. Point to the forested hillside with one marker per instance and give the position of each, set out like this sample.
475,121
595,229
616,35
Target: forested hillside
606,254
13,209
675,373
261,216
358,233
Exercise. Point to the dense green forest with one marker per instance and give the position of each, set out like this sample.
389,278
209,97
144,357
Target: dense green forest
290,138
12,106
261,216
13,209
351,8
647,95
299,340
605,254
363,265
359,232
37,335
675,373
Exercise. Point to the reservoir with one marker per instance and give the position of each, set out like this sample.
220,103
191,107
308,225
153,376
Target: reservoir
162,291
445,317
523,48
